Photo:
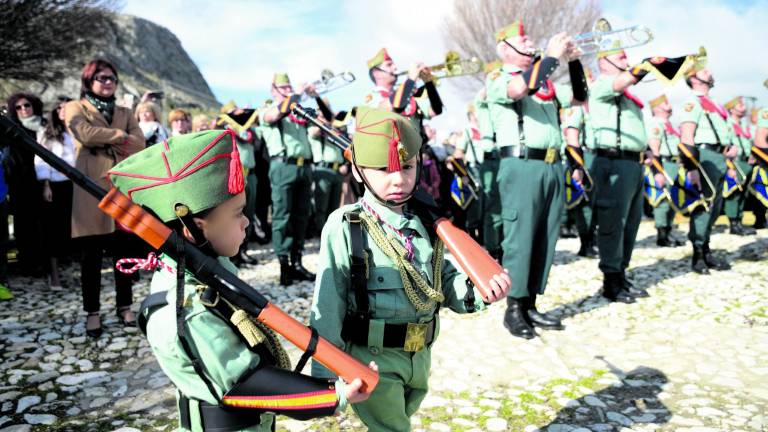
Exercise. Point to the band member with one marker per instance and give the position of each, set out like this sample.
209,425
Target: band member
704,132
735,191
329,173
663,140
470,148
521,100
415,103
759,181
382,280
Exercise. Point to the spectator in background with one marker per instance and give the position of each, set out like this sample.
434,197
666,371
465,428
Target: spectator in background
180,122
430,173
148,115
24,190
5,291
104,134
201,122
56,191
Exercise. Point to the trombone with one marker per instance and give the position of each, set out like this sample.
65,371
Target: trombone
603,37
454,66
330,81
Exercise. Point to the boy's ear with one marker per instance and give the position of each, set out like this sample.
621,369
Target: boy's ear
200,225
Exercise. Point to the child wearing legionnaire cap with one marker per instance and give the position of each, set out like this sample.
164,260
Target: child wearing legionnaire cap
230,371
381,281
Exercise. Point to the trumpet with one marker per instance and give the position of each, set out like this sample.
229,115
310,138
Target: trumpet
330,81
604,38
454,66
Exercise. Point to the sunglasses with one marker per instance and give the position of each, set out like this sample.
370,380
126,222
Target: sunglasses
23,106
106,79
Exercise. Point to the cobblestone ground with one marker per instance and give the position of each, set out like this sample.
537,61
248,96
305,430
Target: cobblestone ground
692,357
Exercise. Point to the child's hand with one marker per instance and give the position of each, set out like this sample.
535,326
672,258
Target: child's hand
500,285
353,389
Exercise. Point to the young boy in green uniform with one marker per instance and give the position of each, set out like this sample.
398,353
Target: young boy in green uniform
230,371
381,281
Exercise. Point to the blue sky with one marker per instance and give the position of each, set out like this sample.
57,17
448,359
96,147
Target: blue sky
238,45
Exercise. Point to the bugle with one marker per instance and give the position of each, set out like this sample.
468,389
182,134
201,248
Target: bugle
454,66
604,38
330,81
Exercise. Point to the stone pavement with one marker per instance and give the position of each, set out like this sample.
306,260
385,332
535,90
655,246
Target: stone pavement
692,357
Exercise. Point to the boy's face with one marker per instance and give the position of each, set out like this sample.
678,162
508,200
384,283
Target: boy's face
395,186
224,227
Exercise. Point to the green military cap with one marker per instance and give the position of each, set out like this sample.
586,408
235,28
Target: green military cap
510,31
733,102
198,171
379,58
281,78
613,48
657,101
383,139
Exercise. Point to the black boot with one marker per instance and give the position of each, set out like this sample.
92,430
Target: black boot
736,228
759,219
713,261
674,241
613,288
566,231
538,319
587,248
697,262
662,237
299,272
514,320
634,291
748,230
286,272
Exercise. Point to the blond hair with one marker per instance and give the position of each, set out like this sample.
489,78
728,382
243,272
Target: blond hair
148,105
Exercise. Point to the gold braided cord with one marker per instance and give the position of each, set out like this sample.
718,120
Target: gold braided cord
255,332
397,253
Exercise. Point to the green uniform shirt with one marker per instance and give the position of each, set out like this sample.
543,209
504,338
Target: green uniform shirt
693,112
485,125
247,151
472,144
667,141
603,116
742,143
323,151
293,143
540,123
334,296
577,118
416,110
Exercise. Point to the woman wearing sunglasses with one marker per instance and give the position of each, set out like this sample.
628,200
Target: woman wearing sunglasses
104,134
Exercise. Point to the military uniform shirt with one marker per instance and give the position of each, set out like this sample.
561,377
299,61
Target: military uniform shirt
417,108
667,141
293,143
471,143
602,115
323,151
576,118
694,113
541,124
742,143
485,126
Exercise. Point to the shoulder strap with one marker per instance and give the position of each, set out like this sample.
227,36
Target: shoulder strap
472,145
617,100
712,125
518,107
358,267
148,306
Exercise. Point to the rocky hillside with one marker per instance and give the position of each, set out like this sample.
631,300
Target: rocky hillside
148,57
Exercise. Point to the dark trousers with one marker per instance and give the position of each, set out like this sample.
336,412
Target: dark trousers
119,244
25,198
4,242
57,226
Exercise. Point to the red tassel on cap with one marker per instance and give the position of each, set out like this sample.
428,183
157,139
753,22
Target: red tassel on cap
236,182
394,156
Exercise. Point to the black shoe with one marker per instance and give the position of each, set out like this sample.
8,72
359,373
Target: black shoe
515,322
613,288
697,262
634,291
674,240
748,230
299,272
96,331
713,261
286,272
737,228
759,220
538,319
567,232
587,249
121,316
662,237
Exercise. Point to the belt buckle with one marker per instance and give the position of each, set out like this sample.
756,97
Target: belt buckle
300,161
551,155
415,337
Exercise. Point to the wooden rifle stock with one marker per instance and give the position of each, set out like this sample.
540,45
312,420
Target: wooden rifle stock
472,258
206,269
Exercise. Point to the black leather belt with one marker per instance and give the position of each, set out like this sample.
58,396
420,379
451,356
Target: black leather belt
714,147
409,337
491,155
619,154
214,417
333,166
299,161
669,158
550,155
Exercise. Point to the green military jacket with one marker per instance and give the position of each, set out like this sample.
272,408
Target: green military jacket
742,138
485,126
693,112
604,116
334,296
292,143
247,150
577,118
540,125
668,141
323,151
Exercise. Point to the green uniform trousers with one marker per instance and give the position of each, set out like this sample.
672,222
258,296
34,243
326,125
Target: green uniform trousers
734,204
702,221
402,387
532,200
327,193
663,214
492,224
475,209
619,208
582,213
291,201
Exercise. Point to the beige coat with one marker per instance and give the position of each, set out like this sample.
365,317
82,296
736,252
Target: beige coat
98,147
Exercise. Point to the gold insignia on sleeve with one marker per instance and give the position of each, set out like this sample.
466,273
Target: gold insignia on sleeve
656,131
368,98
495,74
688,107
